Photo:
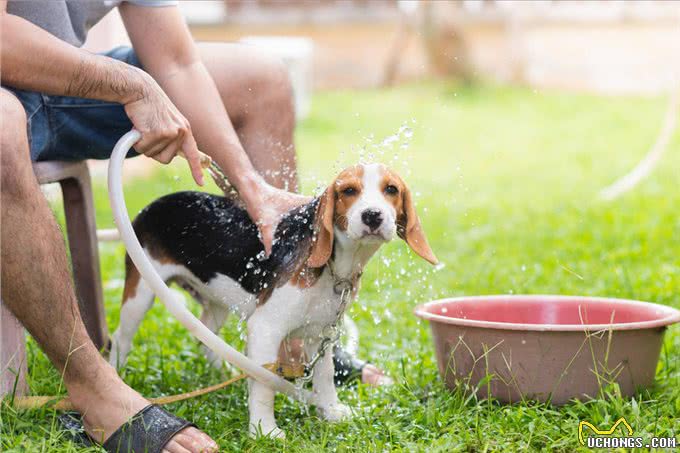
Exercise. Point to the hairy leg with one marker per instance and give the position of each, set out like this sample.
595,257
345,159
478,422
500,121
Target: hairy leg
37,288
257,93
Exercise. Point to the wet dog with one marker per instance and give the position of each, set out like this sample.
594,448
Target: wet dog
208,245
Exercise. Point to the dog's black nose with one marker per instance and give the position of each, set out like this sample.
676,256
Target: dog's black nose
372,218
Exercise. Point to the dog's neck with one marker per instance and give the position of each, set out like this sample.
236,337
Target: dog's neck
350,256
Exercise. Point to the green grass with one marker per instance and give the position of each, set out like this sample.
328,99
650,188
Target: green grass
506,182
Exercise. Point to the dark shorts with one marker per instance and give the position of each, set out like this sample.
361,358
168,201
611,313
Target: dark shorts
69,128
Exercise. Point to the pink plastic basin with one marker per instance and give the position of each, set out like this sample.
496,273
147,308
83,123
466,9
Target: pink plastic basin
547,348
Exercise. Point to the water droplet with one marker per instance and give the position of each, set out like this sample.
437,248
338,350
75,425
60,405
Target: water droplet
406,131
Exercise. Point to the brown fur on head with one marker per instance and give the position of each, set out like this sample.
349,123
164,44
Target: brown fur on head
380,188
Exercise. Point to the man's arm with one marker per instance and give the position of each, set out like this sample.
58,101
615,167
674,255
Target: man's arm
167,51
33,59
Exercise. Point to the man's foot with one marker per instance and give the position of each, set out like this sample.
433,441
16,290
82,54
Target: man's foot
112,403
349,368
374,376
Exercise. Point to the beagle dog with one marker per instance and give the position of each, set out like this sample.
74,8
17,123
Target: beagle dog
208,245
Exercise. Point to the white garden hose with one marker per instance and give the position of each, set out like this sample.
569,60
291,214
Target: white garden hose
166,295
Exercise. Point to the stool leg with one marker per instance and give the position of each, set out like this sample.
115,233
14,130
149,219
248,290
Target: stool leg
12,354
82,239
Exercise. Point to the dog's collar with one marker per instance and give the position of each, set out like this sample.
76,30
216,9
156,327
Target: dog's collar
343,285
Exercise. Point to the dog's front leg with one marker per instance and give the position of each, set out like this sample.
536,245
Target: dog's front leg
265,334
328,405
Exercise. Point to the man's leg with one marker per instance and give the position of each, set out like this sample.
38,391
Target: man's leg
37,288
257,94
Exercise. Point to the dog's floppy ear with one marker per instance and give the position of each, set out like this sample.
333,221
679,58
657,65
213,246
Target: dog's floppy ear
411,231
322,248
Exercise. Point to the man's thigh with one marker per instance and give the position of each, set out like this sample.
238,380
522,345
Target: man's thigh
70,128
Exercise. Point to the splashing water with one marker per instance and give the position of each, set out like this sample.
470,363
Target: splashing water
396,279
392,150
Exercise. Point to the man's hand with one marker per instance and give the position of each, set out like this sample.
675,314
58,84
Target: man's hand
267,208
165,131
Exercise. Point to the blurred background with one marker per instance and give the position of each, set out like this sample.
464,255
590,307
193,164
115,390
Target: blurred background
611,47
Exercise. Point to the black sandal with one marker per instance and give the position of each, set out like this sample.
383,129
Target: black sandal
146,432
347,367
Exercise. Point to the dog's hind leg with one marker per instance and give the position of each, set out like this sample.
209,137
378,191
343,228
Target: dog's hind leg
213,317
137,300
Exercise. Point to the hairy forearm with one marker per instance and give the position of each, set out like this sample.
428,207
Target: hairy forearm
34,60
193,91
106,79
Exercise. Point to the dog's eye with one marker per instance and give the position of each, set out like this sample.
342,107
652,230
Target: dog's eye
349,191
391,190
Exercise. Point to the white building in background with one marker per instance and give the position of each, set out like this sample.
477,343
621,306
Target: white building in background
204,12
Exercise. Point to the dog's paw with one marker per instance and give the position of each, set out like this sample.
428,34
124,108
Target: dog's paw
273,432
336,412
276,433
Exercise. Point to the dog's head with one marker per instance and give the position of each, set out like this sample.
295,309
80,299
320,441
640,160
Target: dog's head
369,204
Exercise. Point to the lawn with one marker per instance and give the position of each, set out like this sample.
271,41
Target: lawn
506,182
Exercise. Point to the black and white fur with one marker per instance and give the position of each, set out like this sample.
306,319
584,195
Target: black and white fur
208,245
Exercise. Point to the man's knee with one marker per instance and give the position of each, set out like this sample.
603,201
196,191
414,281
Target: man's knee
13,114
276,81
270,87
14,152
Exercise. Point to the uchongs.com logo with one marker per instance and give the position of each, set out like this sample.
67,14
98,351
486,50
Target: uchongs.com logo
611,438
